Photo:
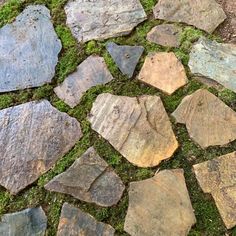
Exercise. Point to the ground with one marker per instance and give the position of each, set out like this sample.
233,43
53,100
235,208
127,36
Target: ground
209,222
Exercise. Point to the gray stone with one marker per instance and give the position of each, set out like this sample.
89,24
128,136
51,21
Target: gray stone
29,50
102,19
33,136
89,179
214,60
29,222
91,72
125,57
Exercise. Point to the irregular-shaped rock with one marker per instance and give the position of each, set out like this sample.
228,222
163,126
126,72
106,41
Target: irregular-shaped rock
29,222
137,127
214,60
75,222
91,72
89,179
163,71
102,19
204,14
217,177
29,50
125,57
167,35
33,136
208,120
160,206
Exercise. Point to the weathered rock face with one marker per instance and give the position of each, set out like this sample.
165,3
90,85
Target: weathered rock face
75,222
217,177
29,50
204,14
29,222
32,137
102,19
137,127
163,71
89,179
91,72
160,206
214,60
208,120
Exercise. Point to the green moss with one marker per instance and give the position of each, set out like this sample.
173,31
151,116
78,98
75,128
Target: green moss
6,101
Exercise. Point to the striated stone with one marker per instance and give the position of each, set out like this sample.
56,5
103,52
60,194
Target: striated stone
89,179
217,177
137,127
204,14
160,206
163,71
91,72
102,19
29,222
214,60
33,136
125,57
29,50
208,120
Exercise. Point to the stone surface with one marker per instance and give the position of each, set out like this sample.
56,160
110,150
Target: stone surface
74,222
208,120
160,206
167,35
91,72
164,71
89,179
33,136
215,61
29,50
125,57
29,222
204,14
102,19
137,127
217,177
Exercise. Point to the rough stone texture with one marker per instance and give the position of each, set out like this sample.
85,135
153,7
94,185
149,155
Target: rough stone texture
102,19
217,177
163,71
167,35
125,57
32,137
29,222
91,72
137,127
29,50
74,222
204,14
89,179
214,60
160,206
208,120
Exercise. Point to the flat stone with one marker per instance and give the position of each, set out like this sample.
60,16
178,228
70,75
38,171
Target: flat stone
102,19
164,71
217,177
160,206
214,60
89,179
91,72
29,50
125,57
33,136
209,121
167,35
29,222
137,127
198,13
